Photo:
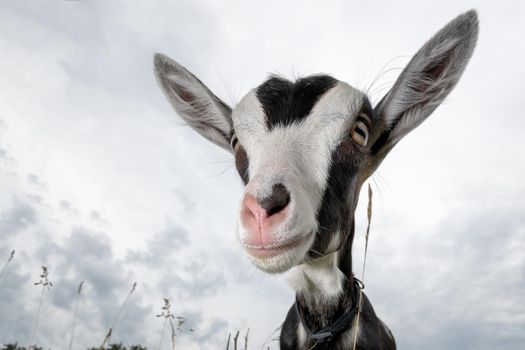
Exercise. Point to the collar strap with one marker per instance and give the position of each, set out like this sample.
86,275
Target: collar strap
342,323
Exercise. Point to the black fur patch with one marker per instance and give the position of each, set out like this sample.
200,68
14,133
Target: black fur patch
241,163
337,207
367,108
285,102
337,211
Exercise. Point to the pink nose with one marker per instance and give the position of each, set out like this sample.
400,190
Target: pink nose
262,217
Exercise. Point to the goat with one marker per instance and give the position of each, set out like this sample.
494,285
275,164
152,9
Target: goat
303,150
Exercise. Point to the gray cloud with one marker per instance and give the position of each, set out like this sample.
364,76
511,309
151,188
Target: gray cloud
197,283
86,256
188,203
98,218
187,279
15,323
208,333
458,286
20,216
35,181
3,153
67,207
161,248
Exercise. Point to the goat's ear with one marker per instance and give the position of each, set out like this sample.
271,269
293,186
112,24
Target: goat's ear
425,82
194,102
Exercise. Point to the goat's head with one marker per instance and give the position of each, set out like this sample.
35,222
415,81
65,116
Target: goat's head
303,149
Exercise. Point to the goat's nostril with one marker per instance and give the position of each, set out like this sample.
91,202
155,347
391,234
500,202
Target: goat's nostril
277,200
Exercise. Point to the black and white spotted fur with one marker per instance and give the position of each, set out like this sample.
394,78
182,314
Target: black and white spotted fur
292,140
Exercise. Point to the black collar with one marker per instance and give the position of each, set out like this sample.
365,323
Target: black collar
342,323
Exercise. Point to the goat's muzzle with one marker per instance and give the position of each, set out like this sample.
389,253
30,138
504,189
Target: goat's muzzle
261,219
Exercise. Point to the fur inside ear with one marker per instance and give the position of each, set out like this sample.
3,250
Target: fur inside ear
428,78
194,102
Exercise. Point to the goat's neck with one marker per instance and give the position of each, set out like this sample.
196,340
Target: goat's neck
324,286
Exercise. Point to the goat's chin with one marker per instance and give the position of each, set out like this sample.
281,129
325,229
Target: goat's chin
282,259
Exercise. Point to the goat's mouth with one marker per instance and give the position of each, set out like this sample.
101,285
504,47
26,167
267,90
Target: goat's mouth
279,256
274,249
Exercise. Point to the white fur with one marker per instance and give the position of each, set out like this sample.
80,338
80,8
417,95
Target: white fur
320,278
301,335
297,156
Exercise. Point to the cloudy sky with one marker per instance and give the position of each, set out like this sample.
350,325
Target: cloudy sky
101,182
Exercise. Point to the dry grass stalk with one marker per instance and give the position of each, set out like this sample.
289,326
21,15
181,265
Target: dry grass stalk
228,343
235,340
170,318
11,256
173,334
181,321
117,317
162,333
246,339
79,291
369,217
46,284
166,315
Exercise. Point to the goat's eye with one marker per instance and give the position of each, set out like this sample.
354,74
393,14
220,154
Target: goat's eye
359,133
234,142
